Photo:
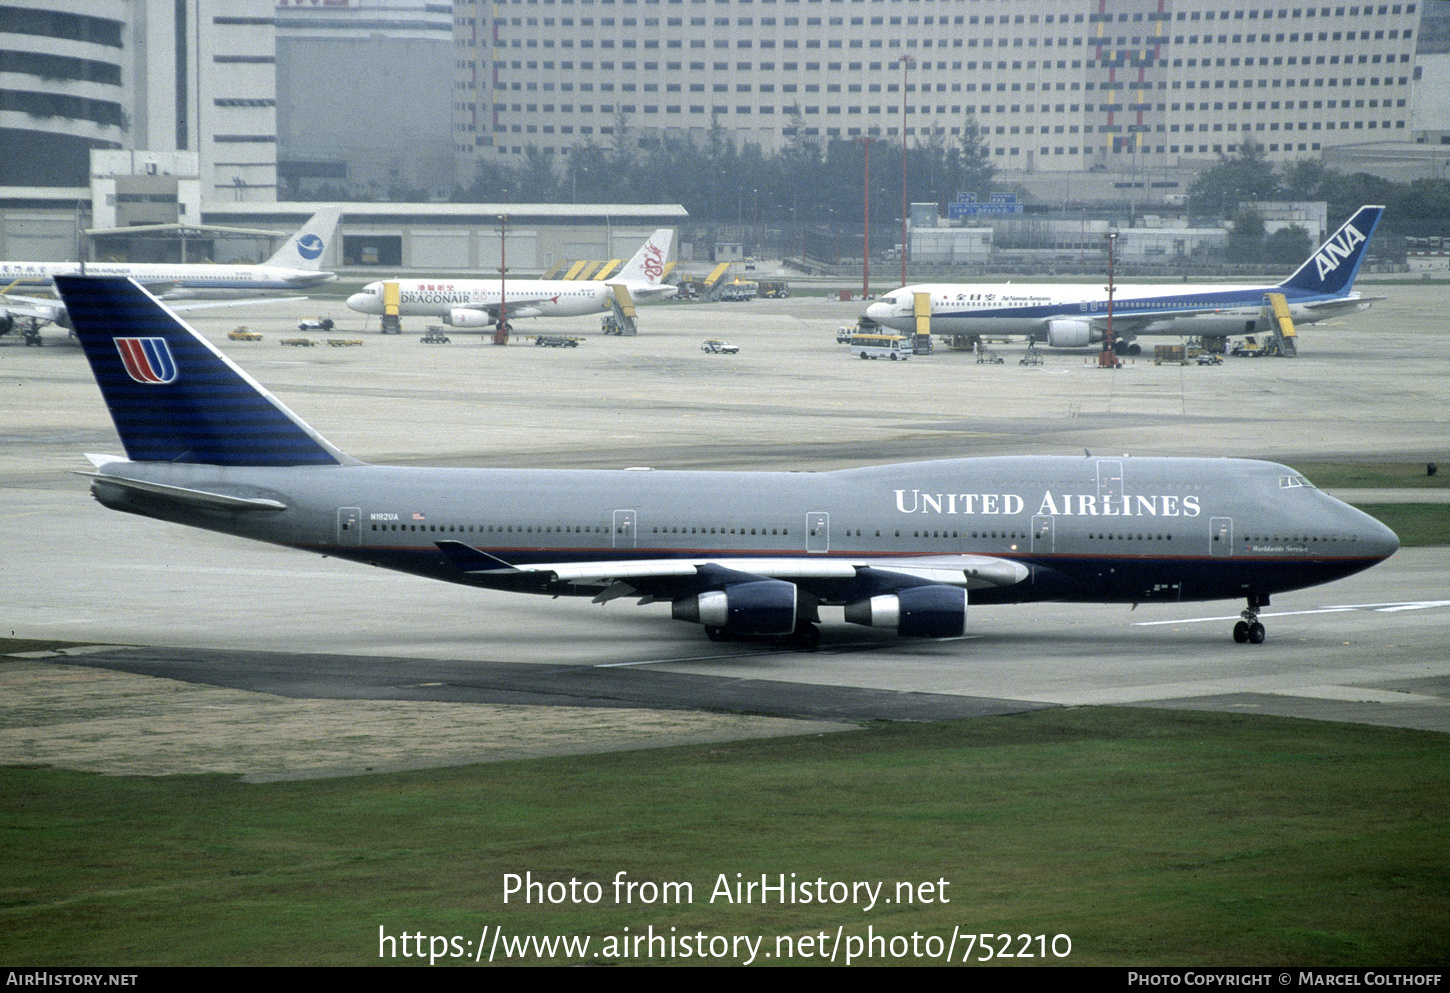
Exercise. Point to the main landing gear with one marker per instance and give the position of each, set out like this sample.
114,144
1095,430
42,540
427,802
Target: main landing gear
1249,629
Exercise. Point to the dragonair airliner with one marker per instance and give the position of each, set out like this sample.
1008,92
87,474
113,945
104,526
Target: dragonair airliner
476,303
1075,316
906,548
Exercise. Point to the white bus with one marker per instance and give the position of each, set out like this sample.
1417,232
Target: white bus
875,346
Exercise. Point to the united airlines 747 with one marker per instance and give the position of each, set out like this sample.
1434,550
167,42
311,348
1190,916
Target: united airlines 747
744,554
1075,316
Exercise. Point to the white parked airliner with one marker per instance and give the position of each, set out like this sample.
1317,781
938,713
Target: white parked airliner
475,303
296,266
1075,316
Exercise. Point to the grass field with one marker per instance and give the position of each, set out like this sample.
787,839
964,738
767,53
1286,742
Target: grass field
1146,837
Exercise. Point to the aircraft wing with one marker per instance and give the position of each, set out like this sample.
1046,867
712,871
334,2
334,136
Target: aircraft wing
635,577
39,308
208,304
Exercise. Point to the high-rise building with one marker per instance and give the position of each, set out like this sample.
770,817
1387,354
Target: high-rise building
193,76
1053,85
364,89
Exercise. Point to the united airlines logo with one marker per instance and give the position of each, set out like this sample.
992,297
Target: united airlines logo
1337,250
310,246
1052,504
147,360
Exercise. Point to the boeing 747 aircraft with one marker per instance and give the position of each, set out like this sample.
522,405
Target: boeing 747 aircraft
1075,316
295,266
744,554
475,303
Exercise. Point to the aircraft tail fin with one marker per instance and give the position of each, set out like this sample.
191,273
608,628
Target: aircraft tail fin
1332,268
173,396
305,249
648,264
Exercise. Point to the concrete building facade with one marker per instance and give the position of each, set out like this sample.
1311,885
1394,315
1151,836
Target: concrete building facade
1056,85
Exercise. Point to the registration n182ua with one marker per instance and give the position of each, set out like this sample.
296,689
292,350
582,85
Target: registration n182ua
743,554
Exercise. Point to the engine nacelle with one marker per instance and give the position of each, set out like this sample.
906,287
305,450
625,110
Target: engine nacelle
915,612
765,606
462,317
1071,334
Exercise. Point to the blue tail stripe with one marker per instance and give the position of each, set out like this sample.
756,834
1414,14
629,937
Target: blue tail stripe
208,411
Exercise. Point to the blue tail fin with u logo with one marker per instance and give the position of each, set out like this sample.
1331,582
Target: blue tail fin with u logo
174,397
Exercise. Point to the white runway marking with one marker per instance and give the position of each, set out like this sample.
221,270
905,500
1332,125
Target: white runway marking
1343,608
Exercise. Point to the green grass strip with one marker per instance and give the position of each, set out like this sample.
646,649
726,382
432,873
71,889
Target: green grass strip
1148,837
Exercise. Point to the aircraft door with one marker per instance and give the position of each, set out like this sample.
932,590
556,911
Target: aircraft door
624,529
1110,482
1042,534
349,526
818,531
1220,536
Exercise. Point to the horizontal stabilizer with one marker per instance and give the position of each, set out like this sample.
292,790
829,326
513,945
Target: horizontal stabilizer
183,494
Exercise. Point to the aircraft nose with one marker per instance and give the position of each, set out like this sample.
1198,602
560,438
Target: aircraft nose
1380,540
359,301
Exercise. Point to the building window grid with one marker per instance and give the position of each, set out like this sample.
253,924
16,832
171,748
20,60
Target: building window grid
1319,51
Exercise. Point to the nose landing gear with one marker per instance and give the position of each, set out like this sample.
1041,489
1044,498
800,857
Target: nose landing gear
1249,630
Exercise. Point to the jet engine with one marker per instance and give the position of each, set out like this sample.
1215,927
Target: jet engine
916,612
1071,334
763,606
462,317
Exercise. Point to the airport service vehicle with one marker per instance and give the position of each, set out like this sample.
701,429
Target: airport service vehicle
556,341
881,346
1076,316
478,303
906,548
719,347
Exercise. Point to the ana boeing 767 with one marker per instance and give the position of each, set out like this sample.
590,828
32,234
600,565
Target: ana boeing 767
903,547
1075,316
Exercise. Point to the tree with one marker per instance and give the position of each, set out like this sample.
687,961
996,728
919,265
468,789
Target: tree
1246,176
1305,180
1287,247
1245,244
975,171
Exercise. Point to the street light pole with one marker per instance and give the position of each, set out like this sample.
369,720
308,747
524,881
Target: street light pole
866,223
906,61
501,329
